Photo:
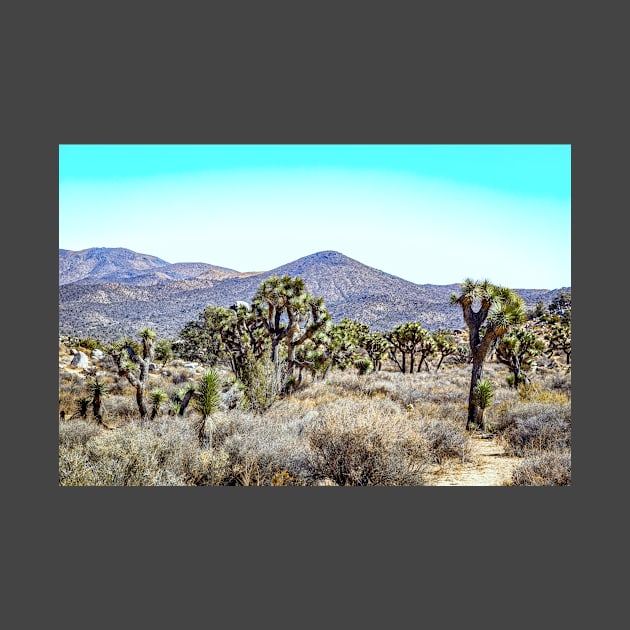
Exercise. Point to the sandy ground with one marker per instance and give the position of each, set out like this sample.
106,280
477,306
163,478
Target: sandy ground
488,466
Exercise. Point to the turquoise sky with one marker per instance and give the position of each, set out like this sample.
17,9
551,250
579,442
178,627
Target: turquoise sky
428,213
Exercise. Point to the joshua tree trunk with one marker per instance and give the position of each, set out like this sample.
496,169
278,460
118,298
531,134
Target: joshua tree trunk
518,375
201,430
142,408
97,410
187,396
473,409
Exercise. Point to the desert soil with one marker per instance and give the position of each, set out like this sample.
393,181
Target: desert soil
487,465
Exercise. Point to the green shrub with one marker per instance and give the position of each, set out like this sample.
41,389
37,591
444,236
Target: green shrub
263,382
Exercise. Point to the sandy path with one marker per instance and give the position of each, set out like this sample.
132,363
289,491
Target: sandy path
488,466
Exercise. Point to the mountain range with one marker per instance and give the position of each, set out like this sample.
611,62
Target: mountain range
109,293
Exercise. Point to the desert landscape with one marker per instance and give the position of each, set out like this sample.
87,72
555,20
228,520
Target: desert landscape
242,396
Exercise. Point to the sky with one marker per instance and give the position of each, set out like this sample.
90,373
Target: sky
431,214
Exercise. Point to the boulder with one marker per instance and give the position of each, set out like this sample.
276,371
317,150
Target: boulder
80,360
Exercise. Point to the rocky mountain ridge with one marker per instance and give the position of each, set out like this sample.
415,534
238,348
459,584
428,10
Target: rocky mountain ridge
148,291
118,264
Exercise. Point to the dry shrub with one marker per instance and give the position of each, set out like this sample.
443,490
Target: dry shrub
179,376
259,448
71,387
120,408
121,387
76,433
358,443
205,467
537,392
382,428
159,453
446,441
562,383
535,426
544,469
284,478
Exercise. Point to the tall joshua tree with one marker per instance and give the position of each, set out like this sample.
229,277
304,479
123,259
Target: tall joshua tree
290,315
135,368
489,312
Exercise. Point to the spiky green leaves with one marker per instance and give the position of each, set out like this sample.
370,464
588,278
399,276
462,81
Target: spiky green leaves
81,407
97,390
483,393
507,310
157,397
499,309
517,350
208,396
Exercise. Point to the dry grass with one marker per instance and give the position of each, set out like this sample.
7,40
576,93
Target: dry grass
381,428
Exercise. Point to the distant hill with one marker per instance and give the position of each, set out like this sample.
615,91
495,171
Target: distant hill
117,264
166,296
99,262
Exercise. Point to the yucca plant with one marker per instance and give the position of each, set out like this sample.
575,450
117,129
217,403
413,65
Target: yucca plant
207,402
81,407
483,395
158,397
362,365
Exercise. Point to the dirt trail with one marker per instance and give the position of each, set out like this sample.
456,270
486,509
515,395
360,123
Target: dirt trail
488,465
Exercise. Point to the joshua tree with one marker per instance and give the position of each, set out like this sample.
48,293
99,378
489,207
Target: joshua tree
425,347
397,343
558,336
224,334
517,350
207,402
164,351
135,368
489,312
410,339
336,345
376,346
97,390
289,314
363,364
444,344
243,335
